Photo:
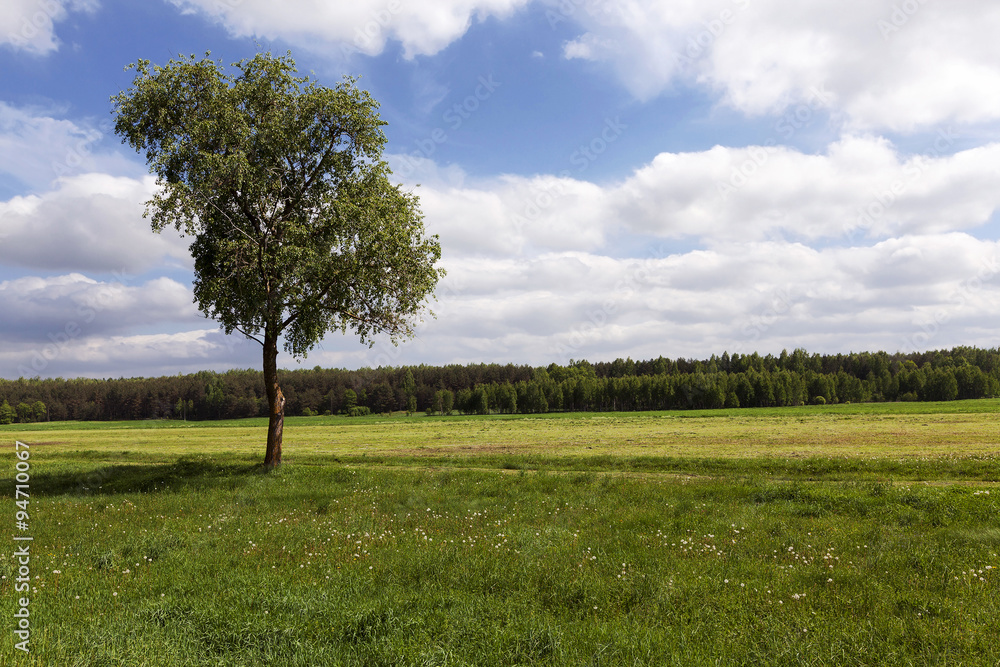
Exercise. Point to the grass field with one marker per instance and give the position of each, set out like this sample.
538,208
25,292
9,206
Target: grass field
835,535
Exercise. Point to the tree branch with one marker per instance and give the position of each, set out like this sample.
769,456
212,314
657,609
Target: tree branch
225,215
249,336
380,327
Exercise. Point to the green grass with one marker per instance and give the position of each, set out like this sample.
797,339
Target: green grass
877,547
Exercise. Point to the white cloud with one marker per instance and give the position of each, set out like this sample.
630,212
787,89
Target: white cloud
908,293
90,222
40,307
911,292
423,27
886,64
71,324
513,215
507,214
862,187
30,24
539,286
531,277
138,355
36,148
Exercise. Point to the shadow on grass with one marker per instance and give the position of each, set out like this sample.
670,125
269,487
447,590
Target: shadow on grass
185,474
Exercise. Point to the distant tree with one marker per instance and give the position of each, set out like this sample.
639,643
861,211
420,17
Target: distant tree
479,402
409,385
215,398
941,385
463,401
972,382
38,411
381,398
350,400
554,396
447,402
507,398
7,413
298,229
531,398
732,400
409,388
24,413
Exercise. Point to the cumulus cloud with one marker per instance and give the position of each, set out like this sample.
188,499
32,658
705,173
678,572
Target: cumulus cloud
37,307
423,27
36,147
29,25
905,293
71,323
861,246
137,355
515,214
90,222
861,188
886,64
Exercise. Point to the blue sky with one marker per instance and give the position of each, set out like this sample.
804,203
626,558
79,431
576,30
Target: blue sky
608,179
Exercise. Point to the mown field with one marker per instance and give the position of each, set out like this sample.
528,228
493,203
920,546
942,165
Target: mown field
835,535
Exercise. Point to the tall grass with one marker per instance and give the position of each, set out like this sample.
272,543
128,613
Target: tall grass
206,560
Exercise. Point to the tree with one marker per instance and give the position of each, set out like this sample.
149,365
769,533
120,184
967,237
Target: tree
7,413
479,401
409,387
350,401
507,398
215,397
298,229
381,398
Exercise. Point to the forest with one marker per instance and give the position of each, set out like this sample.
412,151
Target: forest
751,380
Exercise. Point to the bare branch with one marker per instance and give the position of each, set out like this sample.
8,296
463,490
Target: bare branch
248,335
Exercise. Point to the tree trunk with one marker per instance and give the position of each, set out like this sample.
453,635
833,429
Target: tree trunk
275,401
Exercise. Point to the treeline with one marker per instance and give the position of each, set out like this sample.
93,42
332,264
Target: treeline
791,378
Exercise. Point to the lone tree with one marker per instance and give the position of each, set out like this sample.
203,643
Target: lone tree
298,230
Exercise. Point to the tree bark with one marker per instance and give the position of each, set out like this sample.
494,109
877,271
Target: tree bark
275,401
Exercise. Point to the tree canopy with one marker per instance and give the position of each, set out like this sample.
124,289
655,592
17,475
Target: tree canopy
298,228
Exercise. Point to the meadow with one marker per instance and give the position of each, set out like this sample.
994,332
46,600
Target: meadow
822,535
